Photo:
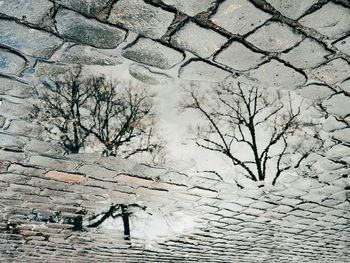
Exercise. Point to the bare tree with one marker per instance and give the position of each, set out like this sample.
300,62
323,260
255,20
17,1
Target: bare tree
117,115
255,129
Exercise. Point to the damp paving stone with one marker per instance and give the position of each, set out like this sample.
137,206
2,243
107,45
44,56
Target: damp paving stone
331,20
78,28
153,53
335,105
147,76
276,74
88,56
343,45
239,16
11,63
202,71
274,37
88,7
292,8
308,54
25,39
239,57
190,7
142,18
315,92
192,36
14,88
334,71
32,11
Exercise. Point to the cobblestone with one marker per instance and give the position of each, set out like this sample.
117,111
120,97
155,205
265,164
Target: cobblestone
11,63
190,7
91,8
147,76
343,45
292,8
334,71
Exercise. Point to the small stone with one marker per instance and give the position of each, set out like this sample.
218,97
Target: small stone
239,16
87,7
32,11
142,18
308,54
276,74
333,72
14,88
292,8
11,63
202,71
274,37
345,85
331,20
87,31
190,7
25,39
337,105
343,135
343,45
315,92
239,57
65,177
147,76
88,56
191,37
332,124
152,53
44,70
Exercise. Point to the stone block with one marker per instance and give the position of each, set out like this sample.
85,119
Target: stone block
144,74
274,37
276,74
142,18
292,8
87,7
315,92
239,16
239,57
153,53
335,105
343,45
25,39
15,110
333,72
14,88
192,36
343,135
11,63
65,177
331,20
91,32
308,54
190,7
202,71
345,86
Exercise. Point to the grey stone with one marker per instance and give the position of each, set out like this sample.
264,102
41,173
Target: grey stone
331,20
25,128
202,71
142,18
147,76
87,31
343,135
276,74
191,37
32,11
25,39
88,56
274,37
345,85
334,71
15,110
292,8
343,45
315,92
14,88
152,53
11,142
88,7
54,71
308,54
335,105
11,63
239,16
239,57
190,7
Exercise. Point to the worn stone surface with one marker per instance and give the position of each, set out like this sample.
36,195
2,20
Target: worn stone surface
54,70
11,63
308,54
191,37
316,92
239,57
331,20
139,17
147,76
91,8
190,7
202,71
276,75
334,71
15,88
239,16
292,8
26,39
88,56
335,105
76,27
274,37
32,11
343,45
345,86
153,53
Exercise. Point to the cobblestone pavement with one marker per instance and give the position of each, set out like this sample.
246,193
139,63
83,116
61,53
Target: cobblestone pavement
47,199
